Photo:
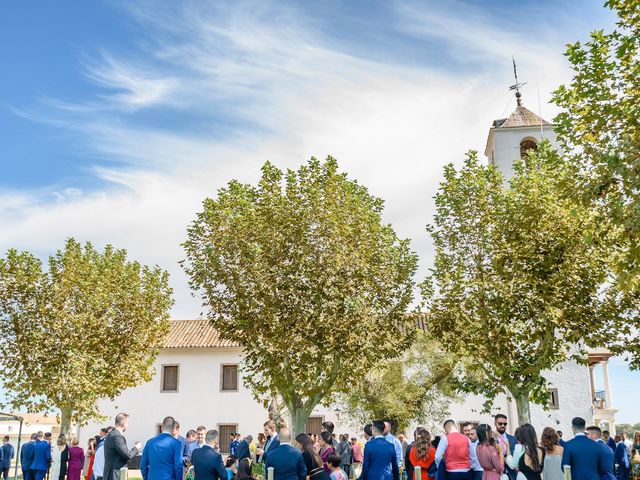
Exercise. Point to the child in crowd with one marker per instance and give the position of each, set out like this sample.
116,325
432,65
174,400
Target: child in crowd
334,464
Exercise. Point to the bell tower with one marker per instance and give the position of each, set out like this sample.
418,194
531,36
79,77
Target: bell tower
510,138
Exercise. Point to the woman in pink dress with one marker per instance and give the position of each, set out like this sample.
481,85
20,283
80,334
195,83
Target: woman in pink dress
76,461
489,453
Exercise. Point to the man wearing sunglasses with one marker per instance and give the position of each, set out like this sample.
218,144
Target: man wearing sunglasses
507,441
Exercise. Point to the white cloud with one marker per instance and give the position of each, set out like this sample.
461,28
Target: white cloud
287,93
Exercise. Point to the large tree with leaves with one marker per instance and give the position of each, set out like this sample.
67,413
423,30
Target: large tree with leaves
86,328
599,128
415,387
518,280
302,272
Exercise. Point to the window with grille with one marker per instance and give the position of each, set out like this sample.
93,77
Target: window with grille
554,401
224,435
229,381
170,378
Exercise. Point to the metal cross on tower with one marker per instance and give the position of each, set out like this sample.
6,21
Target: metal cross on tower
517,85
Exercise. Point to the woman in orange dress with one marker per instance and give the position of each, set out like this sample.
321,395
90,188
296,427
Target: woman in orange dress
422,454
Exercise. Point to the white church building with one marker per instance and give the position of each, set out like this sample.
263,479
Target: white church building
198,378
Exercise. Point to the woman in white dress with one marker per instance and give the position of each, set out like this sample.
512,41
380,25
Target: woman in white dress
56,457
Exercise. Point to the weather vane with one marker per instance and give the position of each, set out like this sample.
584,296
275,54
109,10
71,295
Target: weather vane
517,85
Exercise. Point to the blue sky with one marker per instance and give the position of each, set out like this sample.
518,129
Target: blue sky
118,118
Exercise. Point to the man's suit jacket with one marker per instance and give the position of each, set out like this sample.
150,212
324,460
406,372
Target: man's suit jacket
512,474
243,450
612,444
585,457
7,455
287,463
162,458
116,454
608,461
26,455
270,446
380,461
207,464
621,458
41,456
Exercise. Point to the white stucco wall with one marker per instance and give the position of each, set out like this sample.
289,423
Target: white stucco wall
505,146
200,401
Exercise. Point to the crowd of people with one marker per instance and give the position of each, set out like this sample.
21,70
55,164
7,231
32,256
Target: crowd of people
473,452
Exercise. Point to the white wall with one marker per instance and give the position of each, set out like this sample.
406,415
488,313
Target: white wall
506,145
200,401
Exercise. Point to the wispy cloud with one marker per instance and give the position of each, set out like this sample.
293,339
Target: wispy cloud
209,91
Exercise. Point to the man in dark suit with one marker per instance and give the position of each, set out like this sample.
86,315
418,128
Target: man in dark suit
380,459
621,459
41,457
116,453
606,438
207,463
244,448
26,457
595,434
8,452
583,455
162,455
287,461
272,440
507,441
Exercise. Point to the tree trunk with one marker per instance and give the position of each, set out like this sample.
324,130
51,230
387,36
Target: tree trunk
522,402
299,417
65,420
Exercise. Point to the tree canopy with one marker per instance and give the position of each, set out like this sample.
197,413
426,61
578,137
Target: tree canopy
85,329
518,278
302,272
599,129
415,387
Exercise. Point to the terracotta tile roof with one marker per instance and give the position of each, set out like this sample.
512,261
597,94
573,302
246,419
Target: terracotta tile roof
521,117
33,418
195,334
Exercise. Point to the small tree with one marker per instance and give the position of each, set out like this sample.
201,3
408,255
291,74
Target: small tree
600,128
415,387
303,273
517,280
86,329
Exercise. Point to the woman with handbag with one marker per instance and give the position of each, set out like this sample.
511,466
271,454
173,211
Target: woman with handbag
489,453
422,454
312,460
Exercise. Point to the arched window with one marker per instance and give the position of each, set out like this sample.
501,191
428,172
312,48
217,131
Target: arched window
526,145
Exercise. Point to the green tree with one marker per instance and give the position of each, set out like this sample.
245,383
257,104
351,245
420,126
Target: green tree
517,277
414,387
85,329
599,128
303,273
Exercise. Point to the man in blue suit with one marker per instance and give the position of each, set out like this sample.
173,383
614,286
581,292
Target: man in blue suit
26,458
162,455
287,461
595,434
8,452
244,449
41,457
506,440
380,460
621,459
207,463
273,441
606,437
583,455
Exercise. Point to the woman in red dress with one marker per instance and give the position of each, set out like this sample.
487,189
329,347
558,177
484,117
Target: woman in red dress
91,451
422,454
